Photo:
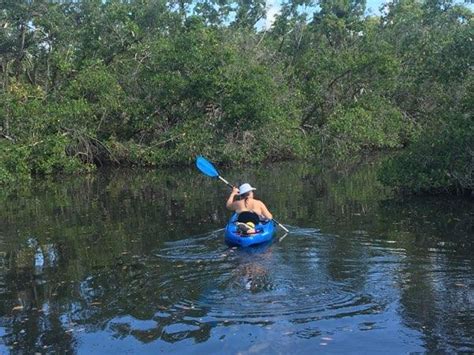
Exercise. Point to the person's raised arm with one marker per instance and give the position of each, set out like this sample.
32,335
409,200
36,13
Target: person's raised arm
230,200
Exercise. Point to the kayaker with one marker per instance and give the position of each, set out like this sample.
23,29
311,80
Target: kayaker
250,210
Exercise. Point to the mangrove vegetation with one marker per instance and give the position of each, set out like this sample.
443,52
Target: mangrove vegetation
154,83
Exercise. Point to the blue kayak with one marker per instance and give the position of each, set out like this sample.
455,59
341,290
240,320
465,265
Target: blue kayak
264,233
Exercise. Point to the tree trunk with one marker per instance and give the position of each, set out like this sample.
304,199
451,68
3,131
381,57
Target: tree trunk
21,50
6,121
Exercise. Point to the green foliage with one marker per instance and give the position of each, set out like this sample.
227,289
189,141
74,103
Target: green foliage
93,101
48,156
154,82
371,125
13,163
440,160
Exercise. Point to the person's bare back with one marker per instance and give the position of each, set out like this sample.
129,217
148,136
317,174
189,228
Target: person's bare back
247,202
251,205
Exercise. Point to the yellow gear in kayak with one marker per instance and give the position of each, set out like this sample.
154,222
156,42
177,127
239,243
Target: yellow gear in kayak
250,224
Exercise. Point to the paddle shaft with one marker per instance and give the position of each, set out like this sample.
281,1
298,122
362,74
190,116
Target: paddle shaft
225,181
281,225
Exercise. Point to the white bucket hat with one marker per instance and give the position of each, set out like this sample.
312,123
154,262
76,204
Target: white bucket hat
244,188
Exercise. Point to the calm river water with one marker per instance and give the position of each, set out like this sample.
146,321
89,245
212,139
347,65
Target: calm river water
134,262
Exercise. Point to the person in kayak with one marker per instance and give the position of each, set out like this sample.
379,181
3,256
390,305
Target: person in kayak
250,210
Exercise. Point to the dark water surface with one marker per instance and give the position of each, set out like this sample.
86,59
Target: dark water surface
134,262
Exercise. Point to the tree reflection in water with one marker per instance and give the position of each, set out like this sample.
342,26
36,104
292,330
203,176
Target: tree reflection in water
140,256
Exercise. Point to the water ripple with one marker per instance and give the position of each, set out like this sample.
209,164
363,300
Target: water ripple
244,286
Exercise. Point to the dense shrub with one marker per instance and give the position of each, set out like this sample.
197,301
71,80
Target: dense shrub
90,83
440,160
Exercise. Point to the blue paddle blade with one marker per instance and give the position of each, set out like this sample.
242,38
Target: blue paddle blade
206,167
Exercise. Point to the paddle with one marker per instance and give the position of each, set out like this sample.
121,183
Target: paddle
207,168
